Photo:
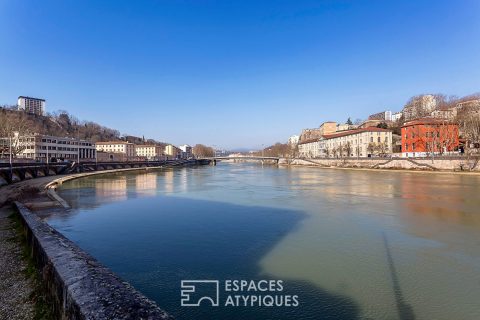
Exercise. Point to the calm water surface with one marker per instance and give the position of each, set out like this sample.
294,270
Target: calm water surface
350,244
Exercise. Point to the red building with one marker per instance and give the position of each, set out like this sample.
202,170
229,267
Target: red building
422,137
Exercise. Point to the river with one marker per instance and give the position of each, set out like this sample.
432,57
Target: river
350,244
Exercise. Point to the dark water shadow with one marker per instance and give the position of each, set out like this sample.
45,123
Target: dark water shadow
405,311
154,243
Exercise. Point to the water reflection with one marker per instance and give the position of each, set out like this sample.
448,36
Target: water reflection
390,245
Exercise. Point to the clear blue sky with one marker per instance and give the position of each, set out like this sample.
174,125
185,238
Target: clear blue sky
234,73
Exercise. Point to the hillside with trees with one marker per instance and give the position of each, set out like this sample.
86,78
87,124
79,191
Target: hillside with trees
60,124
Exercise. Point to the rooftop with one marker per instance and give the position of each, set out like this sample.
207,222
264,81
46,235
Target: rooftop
113,142
25,97
425,121
354,131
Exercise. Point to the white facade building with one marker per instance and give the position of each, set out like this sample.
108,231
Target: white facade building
420,107
126,148
186,151
293,140
41,147
149,151
31,105
396,116
388,115
313,148
352,143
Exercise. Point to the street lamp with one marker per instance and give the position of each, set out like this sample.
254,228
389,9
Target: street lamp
263,149
15,134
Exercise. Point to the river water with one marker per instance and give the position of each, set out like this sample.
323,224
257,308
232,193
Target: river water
350,244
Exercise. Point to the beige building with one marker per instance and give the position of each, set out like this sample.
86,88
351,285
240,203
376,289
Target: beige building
325,128
173,152
126,148
328,127
150,152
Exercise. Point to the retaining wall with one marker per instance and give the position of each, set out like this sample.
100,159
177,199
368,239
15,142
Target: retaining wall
79,286
390,163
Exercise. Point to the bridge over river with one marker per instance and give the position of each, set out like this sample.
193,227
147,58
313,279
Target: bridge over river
10,173
242,158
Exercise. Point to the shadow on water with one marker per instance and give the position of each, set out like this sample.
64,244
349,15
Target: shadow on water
154,243
405,311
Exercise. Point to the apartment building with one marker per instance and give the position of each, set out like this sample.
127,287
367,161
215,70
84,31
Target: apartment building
293,140
45,148
312,148
419,107
126,148
325,128
172,152
422,137
384,115
186,151
362,142
149,152
396,116
31,105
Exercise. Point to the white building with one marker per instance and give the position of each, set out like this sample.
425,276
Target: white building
420,107
125,148
293,140
186,151
31,105
396,116
312,148
172,151
41,147
388,115
384,115
352,143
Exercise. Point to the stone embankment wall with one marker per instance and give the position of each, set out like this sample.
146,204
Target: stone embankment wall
78,286
393,163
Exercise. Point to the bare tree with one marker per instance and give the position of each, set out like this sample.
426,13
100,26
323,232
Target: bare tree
327,150
347,147
469,122
13,127
200,150
335,152
381,148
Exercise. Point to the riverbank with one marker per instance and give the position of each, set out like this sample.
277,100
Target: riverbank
33,194
17,290
455,166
